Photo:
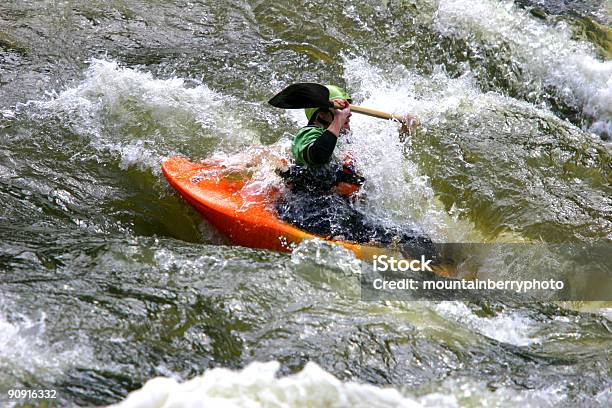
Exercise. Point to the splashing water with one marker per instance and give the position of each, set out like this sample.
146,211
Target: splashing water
547,57
111,280
142,119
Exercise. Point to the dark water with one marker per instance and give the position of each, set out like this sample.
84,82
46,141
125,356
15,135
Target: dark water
109,279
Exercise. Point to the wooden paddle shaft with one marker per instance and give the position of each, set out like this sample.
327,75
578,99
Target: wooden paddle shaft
376,113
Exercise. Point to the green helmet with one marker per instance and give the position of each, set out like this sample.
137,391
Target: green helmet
335,92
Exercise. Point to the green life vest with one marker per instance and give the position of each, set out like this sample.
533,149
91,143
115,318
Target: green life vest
304,137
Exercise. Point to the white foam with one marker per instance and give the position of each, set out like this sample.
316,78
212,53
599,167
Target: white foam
257,386
462,392
398,185
547,55
26,352
398,190
511,328
143,119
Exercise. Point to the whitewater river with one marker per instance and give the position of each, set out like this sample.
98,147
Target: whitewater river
108,279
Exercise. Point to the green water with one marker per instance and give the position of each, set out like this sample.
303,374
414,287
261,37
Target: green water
108,278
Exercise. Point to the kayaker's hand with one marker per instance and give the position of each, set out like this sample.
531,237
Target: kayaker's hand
342,117
410,122
345,109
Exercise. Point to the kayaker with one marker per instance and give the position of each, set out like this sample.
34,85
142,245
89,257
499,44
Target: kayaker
320,186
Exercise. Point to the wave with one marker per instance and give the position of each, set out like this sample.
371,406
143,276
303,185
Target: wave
257,385
142,119
26,352
547,56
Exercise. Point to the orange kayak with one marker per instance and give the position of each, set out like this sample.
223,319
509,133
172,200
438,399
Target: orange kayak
216,192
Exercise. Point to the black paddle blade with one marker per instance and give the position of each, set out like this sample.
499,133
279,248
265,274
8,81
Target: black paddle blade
302,95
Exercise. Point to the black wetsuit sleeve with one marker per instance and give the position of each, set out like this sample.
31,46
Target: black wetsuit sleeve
321,150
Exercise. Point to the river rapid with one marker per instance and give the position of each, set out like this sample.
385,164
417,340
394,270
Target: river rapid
109,279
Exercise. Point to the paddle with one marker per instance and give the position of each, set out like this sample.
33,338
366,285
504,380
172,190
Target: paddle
310,95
